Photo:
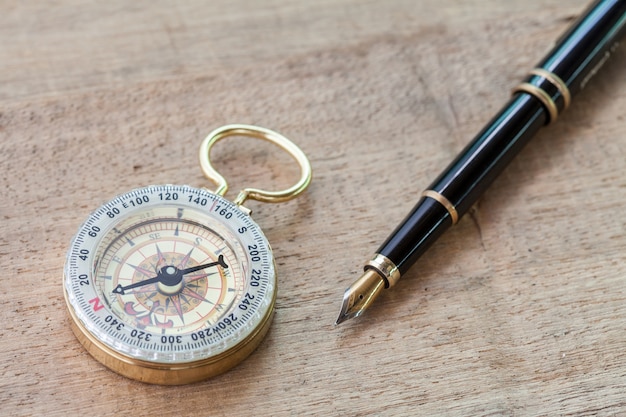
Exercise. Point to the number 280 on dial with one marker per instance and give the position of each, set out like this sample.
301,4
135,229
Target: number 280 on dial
170,284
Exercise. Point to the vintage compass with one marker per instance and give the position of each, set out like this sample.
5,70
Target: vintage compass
172,284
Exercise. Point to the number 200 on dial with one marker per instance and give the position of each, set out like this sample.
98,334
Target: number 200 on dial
170,284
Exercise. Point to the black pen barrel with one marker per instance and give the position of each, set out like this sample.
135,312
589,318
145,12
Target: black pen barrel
576,57
543,95
584,48
465,179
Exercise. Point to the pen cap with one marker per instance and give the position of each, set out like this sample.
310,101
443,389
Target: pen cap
584,48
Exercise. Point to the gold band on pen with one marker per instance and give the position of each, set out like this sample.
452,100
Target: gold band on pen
545,98
542,96
557,82
386,267
454,215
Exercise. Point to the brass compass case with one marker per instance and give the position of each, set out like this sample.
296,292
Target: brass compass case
171,284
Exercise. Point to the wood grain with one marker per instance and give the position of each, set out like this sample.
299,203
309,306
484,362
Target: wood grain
518,310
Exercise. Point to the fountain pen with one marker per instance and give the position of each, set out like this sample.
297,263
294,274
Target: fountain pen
536,102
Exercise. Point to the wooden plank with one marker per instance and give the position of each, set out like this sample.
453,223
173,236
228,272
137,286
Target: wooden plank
518,310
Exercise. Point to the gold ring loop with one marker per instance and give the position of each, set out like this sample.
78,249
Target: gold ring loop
254,193
557,82
454,215
542,96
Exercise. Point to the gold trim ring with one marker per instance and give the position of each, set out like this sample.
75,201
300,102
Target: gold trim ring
385,266
454,215
542,96
255,193
557,82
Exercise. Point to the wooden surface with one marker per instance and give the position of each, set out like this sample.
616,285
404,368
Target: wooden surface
518,310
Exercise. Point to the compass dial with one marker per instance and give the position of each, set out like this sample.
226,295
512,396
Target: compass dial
170,284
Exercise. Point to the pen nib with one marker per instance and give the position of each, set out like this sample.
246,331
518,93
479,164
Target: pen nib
360,295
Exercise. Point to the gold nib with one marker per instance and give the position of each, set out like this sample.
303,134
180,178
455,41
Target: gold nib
360,295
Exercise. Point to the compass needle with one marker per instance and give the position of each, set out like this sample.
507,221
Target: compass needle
193,278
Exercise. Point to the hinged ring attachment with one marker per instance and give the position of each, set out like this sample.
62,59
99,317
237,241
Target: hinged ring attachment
254,193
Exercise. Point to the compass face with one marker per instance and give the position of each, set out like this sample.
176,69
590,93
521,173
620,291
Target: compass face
170,284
